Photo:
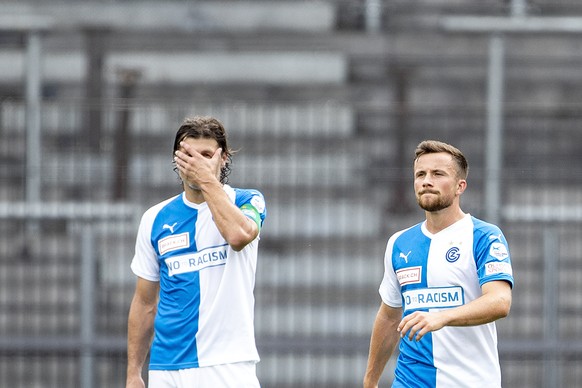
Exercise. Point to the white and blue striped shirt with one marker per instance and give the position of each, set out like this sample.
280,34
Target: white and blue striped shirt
430,272
206,308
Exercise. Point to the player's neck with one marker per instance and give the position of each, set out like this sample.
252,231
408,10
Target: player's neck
442,219
194,195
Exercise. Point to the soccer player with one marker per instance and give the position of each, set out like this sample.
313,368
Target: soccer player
195,261
446,281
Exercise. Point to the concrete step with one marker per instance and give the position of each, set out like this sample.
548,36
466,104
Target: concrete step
281,68
180,16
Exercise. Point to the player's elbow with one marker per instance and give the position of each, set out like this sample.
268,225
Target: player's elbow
503,306
238,241
238,246
239,238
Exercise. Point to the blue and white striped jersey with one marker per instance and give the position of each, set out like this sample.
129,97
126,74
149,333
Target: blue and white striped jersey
206,307
430,272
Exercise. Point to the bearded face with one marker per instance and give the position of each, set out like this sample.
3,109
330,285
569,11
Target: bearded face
436,182
433,201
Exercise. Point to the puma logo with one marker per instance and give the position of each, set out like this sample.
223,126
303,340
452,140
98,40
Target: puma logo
171,227
405,256
495,237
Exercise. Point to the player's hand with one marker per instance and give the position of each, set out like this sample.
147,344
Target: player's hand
417,324
195,168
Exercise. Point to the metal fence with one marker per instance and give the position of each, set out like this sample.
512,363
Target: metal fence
334,196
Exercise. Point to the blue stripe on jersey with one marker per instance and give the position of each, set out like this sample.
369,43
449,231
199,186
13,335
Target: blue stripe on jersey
411,250
176,322
411,373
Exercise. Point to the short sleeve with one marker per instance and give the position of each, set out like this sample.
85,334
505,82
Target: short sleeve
492,256
145,262
390,287
252,204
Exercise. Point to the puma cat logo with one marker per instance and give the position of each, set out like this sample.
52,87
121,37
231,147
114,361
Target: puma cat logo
171,227
405,256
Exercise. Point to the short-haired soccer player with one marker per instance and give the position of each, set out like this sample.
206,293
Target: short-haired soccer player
446,281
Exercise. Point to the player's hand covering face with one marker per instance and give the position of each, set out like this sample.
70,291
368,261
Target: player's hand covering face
199,161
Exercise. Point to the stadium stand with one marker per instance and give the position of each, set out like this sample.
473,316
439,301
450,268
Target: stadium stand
325,116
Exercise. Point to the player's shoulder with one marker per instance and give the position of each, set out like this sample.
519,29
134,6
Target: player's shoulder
405,233
154,210
486,233
484,227
247,192
243,196
254,196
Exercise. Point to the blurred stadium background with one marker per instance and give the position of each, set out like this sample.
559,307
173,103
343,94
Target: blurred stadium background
325,101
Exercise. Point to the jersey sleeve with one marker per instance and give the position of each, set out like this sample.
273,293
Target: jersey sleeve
390,287
492,256
145,262
252,204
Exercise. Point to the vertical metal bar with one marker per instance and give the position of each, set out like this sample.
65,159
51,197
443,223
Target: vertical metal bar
494,141
33,133
373,15
550,307
95,47
518,8
87,306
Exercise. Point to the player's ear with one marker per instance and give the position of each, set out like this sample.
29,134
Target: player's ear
461,186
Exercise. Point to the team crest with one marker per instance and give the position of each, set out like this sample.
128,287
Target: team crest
452,254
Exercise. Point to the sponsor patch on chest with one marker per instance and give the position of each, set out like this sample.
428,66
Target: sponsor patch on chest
410,275
172,243
434,297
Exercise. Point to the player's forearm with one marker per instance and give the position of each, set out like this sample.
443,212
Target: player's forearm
382,344
485,309
139,336
236,228
377,360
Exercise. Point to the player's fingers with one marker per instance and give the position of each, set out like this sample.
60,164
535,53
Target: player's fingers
406,326
421,333
180,157
217,153
413,331
405,321
186,147
402,326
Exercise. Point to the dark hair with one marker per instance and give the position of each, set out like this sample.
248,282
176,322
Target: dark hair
435,146
209,128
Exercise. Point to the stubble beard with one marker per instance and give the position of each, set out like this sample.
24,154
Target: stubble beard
433,205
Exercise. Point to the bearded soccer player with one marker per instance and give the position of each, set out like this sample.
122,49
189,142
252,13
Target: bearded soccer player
446,281
195,261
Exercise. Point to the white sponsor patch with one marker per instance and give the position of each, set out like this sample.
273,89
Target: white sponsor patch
209,257
411,275
499,251
438,297
172,243
496,268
